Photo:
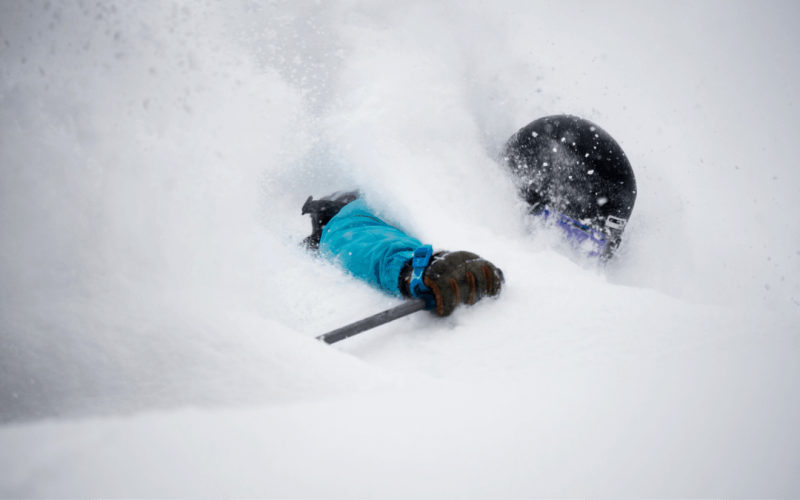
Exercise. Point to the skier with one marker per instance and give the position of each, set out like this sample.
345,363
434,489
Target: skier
572,174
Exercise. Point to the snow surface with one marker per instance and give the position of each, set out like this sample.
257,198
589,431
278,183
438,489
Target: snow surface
157,316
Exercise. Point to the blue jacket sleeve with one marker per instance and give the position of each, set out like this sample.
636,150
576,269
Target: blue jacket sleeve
367,247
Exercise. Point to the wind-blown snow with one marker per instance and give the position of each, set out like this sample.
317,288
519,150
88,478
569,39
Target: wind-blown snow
157,315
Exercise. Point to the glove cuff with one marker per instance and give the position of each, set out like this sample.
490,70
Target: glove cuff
420,261
405,279
410,282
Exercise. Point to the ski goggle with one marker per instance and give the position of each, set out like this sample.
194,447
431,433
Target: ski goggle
586,239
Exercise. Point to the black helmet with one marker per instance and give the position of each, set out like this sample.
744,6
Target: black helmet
570,169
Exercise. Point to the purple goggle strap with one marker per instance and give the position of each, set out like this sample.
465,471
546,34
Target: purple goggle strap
577,233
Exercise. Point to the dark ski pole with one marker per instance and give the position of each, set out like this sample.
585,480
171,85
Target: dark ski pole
365,324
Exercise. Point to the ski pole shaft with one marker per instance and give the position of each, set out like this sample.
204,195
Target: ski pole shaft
365,324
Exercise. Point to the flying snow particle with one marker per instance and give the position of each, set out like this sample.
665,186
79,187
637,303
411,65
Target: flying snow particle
554,150
602,201
591,128
563,139
545,164
535,134
590,172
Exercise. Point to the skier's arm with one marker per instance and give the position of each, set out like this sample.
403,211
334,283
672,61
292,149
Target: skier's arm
367,247
382,255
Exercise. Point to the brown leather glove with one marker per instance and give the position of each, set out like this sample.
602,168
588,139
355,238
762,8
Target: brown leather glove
460,278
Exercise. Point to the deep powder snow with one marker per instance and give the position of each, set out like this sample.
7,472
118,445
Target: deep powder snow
157,315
